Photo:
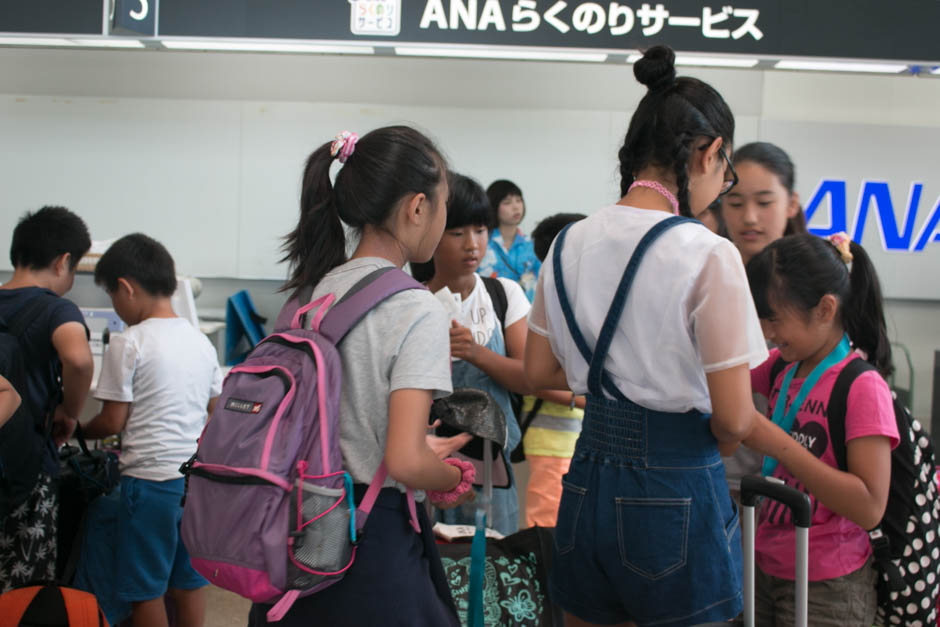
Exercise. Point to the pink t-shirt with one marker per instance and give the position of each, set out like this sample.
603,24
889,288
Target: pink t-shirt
837,546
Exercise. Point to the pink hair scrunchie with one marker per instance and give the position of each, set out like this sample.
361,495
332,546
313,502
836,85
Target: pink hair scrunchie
344,145
843,244
466,482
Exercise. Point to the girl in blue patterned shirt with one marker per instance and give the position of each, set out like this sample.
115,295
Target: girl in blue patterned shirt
510,253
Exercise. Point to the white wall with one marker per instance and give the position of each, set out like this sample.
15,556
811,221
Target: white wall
204,150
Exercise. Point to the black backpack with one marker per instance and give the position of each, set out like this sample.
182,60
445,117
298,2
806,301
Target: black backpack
23,437
500,306
906,545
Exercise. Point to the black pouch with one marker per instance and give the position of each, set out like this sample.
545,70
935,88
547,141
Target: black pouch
84,475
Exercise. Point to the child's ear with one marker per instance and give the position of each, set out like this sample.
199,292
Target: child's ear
827,308
794,207
62,263
704,156
126,286
416,208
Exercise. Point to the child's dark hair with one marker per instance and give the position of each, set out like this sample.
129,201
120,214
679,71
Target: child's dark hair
545,232
772,158
670,117
497,192
387,164
139,257
467,204
798,270
715,210
41,236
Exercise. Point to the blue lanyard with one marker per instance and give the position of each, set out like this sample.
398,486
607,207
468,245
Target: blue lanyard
782,416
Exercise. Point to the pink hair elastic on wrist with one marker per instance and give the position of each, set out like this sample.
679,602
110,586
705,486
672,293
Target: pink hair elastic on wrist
467,474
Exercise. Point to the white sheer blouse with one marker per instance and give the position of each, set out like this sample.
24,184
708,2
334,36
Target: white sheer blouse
689,311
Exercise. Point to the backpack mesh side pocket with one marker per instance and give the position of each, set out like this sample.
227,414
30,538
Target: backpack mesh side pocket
320,542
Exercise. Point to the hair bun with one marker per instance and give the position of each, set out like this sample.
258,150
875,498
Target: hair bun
657,68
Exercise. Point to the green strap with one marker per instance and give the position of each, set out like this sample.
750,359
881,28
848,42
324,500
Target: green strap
784,417
477,568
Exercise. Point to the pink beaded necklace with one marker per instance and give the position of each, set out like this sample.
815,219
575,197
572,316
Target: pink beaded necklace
658,187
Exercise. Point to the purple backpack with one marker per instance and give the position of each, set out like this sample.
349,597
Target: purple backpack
269,511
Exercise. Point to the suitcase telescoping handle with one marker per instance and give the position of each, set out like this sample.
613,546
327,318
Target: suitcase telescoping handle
751,489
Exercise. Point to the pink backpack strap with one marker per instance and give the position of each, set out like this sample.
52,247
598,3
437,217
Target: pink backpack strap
279,609
321,305
286,316
413,511
362,297
368,501
355,304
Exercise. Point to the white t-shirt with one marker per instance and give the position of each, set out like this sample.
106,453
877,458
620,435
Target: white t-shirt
689,311
167,370
477,312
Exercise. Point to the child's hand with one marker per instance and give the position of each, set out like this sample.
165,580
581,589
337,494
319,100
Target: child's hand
445,447
63,426
462,345
466,497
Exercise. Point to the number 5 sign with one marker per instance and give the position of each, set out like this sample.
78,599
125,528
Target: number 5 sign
133,17
375,17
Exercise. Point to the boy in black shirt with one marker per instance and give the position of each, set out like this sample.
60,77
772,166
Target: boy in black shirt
45,250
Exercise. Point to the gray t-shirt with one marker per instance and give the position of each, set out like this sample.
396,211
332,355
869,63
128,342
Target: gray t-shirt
403,343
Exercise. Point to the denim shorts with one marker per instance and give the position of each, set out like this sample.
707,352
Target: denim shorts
646,529
151,554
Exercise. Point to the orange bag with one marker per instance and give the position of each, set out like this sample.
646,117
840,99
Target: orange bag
50,605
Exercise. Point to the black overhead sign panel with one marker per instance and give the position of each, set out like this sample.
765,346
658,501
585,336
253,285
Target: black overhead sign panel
904,30
134,17
75,17
899,29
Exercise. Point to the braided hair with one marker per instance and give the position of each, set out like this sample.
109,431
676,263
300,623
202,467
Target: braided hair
672,114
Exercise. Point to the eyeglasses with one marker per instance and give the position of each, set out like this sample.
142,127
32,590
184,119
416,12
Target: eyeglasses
728,184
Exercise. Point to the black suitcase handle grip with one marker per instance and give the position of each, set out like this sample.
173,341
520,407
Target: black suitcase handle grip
798,502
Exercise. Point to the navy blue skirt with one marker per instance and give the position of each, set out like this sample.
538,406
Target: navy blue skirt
397,578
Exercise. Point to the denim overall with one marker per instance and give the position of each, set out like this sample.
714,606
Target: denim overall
505,500
646,529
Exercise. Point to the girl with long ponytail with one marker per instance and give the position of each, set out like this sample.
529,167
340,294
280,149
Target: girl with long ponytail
391,188
820,303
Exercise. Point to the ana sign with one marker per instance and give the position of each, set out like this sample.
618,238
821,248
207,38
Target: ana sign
874,199
836,28
615,18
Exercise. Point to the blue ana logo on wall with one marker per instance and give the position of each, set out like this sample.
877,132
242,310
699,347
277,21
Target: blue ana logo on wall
875,200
